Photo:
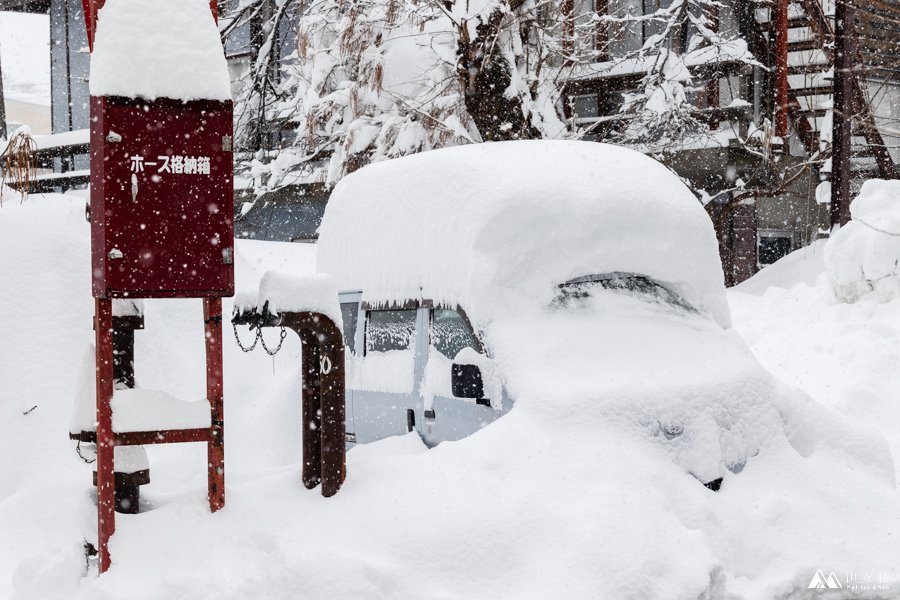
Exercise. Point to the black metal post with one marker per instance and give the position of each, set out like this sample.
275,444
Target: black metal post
844,50
3,132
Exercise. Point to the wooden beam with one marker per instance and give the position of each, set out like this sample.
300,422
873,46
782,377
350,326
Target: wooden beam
780,11
844,51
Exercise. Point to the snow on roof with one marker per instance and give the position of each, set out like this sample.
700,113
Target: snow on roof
463,225
158,49
730,51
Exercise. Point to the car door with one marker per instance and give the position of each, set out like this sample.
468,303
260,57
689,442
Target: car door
386,371
350,317
448,417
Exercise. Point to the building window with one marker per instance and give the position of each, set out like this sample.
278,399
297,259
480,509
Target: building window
586,109
773,246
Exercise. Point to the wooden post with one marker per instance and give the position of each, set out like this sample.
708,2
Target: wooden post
601,42
568,43
106,496
781,67
212,317
712,86
843,113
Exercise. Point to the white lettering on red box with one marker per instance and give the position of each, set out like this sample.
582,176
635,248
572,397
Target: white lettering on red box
176,164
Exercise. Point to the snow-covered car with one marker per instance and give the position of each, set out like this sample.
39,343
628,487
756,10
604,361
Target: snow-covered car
571,280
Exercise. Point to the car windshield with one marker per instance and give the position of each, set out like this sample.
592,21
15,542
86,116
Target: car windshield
575,292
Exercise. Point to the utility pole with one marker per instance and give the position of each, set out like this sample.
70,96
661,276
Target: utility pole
844,51
3,132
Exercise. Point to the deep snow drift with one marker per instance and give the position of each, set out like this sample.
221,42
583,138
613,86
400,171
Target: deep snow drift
862,257
847,356
543,503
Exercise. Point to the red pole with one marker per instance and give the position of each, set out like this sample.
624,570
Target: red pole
781,67
215,448
91,7
106,445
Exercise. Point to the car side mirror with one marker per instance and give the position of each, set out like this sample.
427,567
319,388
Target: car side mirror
466,382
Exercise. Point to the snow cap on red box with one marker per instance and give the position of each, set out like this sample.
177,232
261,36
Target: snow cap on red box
158,49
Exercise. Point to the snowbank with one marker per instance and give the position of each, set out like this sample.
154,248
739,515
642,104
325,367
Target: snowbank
158,49
843,354
573,498
804,266
862,257
482,225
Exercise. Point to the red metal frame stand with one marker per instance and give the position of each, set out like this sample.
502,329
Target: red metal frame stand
212,317
107,439
106,444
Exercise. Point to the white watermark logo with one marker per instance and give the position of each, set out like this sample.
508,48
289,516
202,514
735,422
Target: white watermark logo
820,582
851,581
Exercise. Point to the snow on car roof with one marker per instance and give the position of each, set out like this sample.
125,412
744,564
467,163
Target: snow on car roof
469,225
158,49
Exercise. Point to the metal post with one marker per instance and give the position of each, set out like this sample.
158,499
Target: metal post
106,445
312,410
324,443
3,132
781,67
212,317
844,50
332,402
128,485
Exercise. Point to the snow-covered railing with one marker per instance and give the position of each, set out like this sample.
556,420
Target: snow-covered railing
47,149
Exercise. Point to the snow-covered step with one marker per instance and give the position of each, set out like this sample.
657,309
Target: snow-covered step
818,79
153,410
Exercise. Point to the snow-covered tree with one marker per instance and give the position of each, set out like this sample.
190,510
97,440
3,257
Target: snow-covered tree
365,80
375,79
681,39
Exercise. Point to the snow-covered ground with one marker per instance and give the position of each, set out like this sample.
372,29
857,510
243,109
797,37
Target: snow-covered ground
25,57
846,356
538,505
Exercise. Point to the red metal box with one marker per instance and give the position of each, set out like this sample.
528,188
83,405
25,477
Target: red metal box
162,198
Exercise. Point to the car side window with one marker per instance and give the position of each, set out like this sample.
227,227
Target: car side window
388,330
450,333
350,316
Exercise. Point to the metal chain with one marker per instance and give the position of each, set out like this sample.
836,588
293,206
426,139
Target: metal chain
280,342
259,339
238,339
81,456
